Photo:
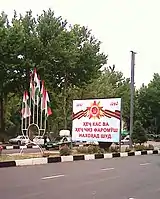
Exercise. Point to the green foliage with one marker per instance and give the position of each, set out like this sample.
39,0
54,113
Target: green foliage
127,149
113,149
139,133
90,150
143,147
68,58
65,56
65,150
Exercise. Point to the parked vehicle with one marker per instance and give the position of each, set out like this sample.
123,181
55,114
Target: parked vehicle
125,141
58,142
40,140
20,139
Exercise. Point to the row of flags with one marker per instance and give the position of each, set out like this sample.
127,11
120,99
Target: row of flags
38,95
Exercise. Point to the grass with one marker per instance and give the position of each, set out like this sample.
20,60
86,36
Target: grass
4,157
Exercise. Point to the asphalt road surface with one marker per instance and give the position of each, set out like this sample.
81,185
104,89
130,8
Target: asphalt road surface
121,178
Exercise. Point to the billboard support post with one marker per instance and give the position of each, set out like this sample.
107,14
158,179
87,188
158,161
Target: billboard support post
120,132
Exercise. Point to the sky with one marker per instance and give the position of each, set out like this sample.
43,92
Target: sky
121,25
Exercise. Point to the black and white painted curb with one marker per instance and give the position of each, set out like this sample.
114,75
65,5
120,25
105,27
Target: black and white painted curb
20,147
47,160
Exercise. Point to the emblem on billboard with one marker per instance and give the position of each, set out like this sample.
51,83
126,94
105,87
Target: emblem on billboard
95,110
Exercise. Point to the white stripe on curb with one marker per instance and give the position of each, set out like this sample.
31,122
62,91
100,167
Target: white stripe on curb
67,158
23,147
124,154
9,147
35,147
32,161
108,155
89,157
149,152
137,152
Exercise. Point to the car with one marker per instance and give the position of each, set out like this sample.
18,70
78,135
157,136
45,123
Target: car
40,140
20,139
126,140
55,144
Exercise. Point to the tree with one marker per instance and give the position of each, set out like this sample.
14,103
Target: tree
139,133
149,105
65,56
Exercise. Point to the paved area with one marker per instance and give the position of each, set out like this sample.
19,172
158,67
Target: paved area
121,178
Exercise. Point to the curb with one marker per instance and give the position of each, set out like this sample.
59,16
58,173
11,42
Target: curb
39,161
20,147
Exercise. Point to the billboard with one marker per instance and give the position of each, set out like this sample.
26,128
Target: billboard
96,120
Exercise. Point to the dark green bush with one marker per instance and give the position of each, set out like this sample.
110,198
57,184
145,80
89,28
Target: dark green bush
82,149
90,149
150,147
143,147
139,147
65,150
128,149
113,149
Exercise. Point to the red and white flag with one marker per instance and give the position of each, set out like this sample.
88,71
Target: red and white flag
48,110
43,96
26,112
37,87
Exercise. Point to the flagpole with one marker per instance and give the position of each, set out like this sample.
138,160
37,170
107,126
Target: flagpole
30,108
42,101
33,109
41,115
45,124
22,117
37,109
25,123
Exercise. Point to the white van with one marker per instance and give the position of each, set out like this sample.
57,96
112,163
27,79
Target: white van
125,141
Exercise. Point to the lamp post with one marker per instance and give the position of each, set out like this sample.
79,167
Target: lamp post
132,96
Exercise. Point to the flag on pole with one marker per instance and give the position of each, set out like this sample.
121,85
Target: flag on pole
26,112
32,90
37,87
48,110
43,96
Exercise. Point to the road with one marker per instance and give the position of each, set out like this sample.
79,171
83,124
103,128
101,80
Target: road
120,178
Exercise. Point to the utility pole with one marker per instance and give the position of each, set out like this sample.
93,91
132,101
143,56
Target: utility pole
132,96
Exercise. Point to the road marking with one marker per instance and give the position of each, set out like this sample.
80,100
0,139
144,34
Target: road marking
52,177
107,169
144,164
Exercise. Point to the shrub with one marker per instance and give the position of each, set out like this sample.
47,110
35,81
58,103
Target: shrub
139,134
143,147
128,149
139,147
90,149
113,149
82,149
45,154
65,150
150,147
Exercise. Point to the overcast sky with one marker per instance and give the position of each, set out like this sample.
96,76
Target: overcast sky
121,25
